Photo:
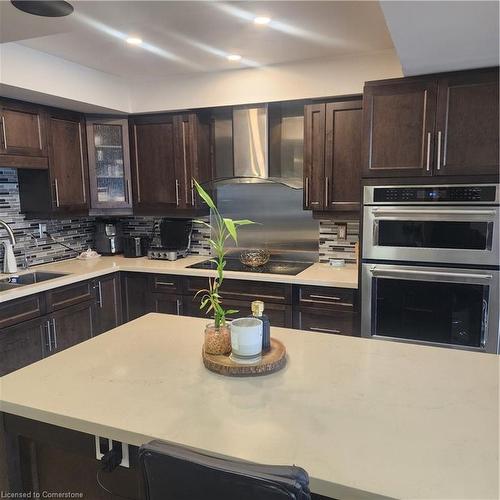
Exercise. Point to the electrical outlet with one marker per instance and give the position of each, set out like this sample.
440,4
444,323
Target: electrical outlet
342,231
102,445
41,230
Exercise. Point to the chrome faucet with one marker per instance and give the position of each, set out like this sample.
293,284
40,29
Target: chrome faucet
9,231
9,260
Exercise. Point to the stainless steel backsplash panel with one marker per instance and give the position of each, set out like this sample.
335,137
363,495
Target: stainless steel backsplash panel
284,229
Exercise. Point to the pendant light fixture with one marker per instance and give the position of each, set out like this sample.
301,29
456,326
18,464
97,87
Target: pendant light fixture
45,8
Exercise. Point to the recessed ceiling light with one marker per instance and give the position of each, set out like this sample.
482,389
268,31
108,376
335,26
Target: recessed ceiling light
233,57
262,20
133,40
45,8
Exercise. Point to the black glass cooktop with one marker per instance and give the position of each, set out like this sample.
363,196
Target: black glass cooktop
272,267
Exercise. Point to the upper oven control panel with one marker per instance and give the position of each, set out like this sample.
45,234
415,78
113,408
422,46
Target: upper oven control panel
455,194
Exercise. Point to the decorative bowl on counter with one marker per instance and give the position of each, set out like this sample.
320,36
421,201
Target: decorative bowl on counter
254,258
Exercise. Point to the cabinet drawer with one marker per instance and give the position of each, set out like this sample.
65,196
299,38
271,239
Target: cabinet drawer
324,321
324,297
278,314
165,283
278,293
16,311
66,296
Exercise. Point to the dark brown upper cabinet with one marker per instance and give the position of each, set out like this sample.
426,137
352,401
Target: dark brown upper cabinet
332,156
437,125
399,128
23,139
314,156
168,152
109,165
467,124
63,188
68,161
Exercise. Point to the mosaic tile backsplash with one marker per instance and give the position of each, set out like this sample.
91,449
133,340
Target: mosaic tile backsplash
331,247
77,233
138,226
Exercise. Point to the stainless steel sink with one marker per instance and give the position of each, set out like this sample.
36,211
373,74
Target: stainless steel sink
28,279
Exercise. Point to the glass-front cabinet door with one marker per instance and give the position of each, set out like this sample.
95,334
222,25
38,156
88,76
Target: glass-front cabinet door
109,165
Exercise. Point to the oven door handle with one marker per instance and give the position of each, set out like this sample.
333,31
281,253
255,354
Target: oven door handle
415,274
378,212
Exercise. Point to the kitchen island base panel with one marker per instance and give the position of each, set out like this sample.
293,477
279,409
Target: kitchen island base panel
45,457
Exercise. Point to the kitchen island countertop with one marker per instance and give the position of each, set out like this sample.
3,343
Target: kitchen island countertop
80,270
363,417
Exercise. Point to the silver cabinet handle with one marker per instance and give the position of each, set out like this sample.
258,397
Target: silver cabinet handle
306,191
56,189
428,166
176,193
127,191
4,133
327,297
165,283
327,182
192,192
54,331
48,339
178,305
98,287
439,151
325,330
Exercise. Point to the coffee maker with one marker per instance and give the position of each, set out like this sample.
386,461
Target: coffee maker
108,238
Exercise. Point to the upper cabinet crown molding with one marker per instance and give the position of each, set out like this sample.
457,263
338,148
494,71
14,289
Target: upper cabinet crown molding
436,125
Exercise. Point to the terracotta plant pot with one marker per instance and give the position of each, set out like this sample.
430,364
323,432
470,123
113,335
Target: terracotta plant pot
217,340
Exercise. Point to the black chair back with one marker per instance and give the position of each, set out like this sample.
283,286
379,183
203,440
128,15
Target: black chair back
173,472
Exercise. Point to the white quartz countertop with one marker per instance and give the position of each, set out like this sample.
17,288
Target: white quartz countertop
363,417
79,270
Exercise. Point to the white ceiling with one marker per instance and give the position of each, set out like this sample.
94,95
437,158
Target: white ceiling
192,37
443,36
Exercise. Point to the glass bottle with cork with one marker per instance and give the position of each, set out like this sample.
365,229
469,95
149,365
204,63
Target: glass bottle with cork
258,312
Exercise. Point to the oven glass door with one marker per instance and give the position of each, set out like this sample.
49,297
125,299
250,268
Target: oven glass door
422,234
441,306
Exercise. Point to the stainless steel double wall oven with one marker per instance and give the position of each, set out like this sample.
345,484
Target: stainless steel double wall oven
430,269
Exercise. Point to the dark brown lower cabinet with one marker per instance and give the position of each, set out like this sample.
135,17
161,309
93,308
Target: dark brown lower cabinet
22,344
108,310
167,303
71,326
136,295
325,321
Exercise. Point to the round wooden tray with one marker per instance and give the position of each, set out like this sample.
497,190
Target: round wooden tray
272,361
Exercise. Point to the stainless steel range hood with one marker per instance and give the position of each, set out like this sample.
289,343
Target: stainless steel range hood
242,146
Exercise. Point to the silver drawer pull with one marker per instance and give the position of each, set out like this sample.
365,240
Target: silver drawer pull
165,283
54,331
327,297
325,330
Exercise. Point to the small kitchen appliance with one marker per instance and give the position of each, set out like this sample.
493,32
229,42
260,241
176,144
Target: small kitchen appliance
108,238
174,241
430,271
135,246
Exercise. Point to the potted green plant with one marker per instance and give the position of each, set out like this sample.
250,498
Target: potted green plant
217,334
